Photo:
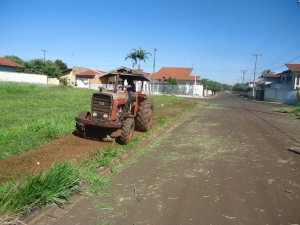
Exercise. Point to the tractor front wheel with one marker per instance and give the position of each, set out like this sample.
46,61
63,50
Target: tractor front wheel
127,131
80,130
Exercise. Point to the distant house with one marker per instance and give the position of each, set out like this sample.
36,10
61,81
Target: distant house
7,65
285,87
269,78
70,74
90,79
186,81
182,75
266,80
291,77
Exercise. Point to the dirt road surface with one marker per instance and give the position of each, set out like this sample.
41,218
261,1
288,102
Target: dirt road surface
226,164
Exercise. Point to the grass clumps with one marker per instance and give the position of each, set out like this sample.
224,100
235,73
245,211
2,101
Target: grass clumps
293,110
54,186
296,111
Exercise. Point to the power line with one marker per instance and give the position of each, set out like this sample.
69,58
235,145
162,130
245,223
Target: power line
243,77
43,50
256,56
288,62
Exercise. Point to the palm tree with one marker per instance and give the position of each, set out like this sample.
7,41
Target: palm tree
137,55
133,56
142,54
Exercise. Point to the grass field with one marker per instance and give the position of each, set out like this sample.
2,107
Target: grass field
33,115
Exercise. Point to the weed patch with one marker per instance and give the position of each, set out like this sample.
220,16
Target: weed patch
54,186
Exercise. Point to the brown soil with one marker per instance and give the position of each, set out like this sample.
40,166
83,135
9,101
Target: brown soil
70,147
229,164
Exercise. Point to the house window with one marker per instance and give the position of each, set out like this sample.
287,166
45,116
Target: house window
283,79
289,78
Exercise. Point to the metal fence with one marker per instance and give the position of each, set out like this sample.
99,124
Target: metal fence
176,89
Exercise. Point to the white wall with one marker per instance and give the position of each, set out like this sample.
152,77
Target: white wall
23,77
281,95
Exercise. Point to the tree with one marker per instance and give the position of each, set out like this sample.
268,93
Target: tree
40,66
172,81
18,60
138,55
142,54
133,56
61,65
238,87
266,72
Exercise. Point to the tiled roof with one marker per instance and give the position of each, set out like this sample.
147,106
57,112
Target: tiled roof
7,62
90,73
177,73
294,67
270,75
75,69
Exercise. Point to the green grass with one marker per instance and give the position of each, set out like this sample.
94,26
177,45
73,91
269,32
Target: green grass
54,186
296,111
32,115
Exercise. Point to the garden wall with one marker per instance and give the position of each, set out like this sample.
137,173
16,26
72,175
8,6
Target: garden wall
23,77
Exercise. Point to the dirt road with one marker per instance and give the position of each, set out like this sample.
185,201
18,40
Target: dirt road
226,164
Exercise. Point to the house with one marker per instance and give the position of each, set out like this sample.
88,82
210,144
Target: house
286,89
265,81
70,74
7,65
187,83
291,77
269,78
90,79
182,75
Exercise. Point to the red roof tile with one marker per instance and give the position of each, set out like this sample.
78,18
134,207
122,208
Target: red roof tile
7,62
270,75
90,73
177,73
294,67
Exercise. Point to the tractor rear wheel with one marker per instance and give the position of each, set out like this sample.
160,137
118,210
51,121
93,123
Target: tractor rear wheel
144,119
127,131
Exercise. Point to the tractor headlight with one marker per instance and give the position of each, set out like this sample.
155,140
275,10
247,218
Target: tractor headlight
94,114
105,116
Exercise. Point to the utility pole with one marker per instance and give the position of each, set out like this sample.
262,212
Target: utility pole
256,56
243,77
153,70
43,50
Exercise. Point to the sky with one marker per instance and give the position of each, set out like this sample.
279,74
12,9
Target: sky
215,37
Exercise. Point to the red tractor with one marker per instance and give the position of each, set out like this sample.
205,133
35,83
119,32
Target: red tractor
116,108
